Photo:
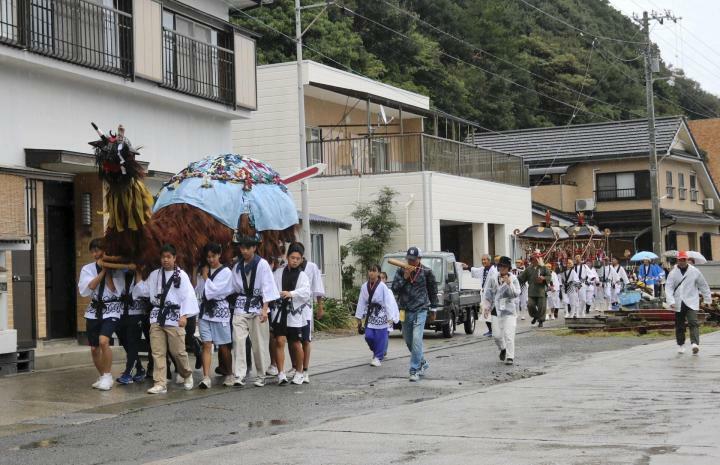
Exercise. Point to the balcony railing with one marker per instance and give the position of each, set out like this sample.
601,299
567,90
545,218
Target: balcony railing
198,68
404,153
617,194
75,31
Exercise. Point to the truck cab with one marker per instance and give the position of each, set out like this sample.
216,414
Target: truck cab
455,304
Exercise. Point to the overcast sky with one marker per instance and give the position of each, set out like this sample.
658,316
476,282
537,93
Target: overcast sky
693,44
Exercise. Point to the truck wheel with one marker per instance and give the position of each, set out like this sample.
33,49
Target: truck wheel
470,321
448,328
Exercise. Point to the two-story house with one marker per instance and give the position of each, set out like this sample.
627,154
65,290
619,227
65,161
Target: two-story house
451,195
603,169
175,74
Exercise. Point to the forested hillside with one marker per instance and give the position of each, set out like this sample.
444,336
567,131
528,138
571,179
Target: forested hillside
503,63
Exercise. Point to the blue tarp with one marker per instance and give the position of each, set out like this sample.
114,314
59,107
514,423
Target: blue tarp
269,207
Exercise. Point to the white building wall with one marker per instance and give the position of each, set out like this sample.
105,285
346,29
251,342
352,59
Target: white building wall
218,8
45,109
337,197
473,201
271,135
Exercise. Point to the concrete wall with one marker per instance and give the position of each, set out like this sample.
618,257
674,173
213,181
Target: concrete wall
214,7
558,196
468,200
54,111
271,134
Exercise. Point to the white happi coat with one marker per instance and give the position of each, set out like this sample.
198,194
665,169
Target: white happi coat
302,298
113,308
386,312
215,291
180,301
553,295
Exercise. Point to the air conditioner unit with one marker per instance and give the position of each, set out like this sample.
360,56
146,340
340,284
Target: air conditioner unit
708,204
582,205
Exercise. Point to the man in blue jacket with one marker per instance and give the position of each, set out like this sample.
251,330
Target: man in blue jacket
651,274
416,289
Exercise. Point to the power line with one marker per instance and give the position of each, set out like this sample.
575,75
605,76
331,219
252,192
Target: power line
583,31
460,60
478,48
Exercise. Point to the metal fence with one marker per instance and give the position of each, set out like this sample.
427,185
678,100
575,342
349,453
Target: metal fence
198,68
75,31
404,153
605,195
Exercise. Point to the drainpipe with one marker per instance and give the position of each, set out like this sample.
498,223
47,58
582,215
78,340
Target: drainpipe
407,220
427,212
562,204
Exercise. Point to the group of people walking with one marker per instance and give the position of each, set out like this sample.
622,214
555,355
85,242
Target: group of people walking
236,306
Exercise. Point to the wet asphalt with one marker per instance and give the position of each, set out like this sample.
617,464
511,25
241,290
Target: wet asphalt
141,431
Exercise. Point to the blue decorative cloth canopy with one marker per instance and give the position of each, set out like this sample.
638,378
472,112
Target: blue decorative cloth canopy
230,185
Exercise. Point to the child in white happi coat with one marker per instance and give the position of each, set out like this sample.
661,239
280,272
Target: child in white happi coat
255,287
102,314
377,307
214,284
173,300
290,313
620,283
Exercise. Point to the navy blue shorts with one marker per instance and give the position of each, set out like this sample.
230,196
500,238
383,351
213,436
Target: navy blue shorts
96,328
298,334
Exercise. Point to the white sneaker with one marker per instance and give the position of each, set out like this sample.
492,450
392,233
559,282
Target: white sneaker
375,362
238,382
188,383
695,349
229,381
306,377
414,377
522,317
179,379
106,383
157,389
681,349
205,383
259,382
291,373
97,382
272,371
282,379
297,379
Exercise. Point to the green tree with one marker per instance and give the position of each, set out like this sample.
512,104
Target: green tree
377,223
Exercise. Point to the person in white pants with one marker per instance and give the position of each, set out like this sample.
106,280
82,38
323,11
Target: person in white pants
569,286
621,281
604,286
523,298
500,298
583,278
553,294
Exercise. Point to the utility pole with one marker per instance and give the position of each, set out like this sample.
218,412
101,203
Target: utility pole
304,197
650,67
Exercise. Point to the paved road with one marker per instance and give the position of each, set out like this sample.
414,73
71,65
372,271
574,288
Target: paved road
143,429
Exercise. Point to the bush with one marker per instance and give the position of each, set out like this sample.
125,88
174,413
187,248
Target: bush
337,316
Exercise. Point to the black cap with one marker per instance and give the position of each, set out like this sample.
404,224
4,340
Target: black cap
505,261
413,253
246,241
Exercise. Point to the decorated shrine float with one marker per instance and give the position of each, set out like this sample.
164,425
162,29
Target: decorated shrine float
216,199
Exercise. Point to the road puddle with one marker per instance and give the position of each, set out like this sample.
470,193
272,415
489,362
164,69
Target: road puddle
42,444
264,423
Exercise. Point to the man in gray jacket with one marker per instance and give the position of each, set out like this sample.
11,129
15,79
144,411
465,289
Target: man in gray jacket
416,289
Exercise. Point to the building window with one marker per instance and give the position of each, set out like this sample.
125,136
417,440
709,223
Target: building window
692,240
693,188
313,138
623,186
318,251
669,189
682,192
197,59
